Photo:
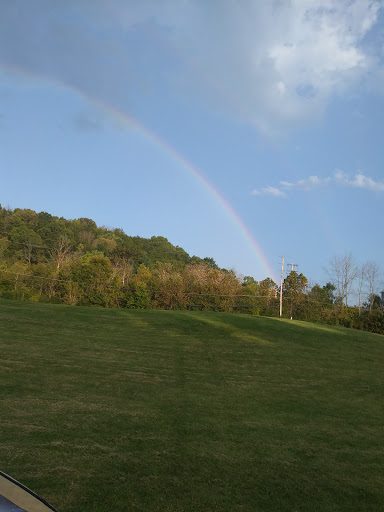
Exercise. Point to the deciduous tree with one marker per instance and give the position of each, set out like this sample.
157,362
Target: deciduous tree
294,287
343,272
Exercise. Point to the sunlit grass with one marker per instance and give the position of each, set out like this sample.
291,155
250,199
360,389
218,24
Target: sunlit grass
105,410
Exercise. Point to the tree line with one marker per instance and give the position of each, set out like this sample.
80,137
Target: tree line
51,259
44,258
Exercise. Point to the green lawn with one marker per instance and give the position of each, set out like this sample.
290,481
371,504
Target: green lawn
121,410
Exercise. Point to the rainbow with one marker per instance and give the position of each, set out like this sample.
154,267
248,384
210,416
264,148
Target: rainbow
164,146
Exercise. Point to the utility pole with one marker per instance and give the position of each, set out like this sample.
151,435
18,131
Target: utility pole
281,287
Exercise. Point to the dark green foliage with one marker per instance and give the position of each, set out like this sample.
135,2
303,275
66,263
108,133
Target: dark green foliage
366,320
97,284
138,297
43,231
25,243
375,302
249,280
294,288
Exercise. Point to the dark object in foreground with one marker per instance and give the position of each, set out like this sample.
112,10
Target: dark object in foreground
15,497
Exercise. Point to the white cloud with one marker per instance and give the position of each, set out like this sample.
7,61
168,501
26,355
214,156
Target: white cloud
339,178
279,63
308,183
272,63
270,191
359,181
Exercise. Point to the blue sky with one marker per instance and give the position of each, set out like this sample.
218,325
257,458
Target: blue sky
209,123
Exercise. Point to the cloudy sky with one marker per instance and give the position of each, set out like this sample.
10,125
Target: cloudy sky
240,130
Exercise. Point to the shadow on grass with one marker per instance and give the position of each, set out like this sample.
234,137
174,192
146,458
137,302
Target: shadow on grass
232,331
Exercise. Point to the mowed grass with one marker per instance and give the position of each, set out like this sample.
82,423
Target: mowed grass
121,410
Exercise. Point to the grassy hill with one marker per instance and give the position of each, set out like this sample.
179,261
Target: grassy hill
105,410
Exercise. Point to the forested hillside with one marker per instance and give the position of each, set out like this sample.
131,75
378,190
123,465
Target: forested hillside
44,258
